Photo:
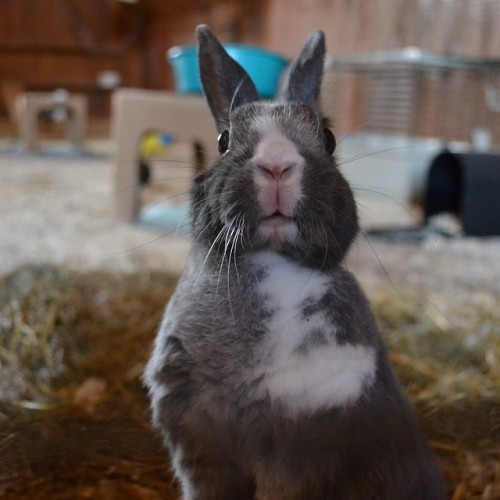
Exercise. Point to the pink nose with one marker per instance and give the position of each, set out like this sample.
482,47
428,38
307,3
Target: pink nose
276,172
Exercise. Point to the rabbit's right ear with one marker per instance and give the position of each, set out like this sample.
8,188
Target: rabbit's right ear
225,83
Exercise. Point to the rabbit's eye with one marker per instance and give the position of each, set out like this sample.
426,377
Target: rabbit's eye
329,140
223,141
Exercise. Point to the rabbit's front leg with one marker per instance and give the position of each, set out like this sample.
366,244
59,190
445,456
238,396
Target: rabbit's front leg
270,487
203,478
202,452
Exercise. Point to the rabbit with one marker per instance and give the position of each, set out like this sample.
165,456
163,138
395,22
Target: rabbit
268,378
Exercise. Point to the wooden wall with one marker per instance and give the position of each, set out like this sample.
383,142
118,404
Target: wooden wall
50,43
172,23
47,44
459,27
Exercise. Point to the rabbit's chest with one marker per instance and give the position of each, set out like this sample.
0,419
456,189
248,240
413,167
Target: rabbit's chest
301,363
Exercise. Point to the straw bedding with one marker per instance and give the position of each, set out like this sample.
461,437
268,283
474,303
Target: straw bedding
73,414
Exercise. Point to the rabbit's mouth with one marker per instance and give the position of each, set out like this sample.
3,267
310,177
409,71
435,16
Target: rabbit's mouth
277,229
276,220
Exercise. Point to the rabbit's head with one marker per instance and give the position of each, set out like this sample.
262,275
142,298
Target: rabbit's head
275,184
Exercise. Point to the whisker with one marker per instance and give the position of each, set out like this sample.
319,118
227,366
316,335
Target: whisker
373,153
120,252
386,273
352,132
234,250
326,245
160,202
235,93
219,235
228,280
401,204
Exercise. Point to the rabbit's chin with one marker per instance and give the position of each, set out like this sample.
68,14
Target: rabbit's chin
277,230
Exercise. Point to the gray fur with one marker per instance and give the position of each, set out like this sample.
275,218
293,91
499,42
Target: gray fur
227,436
233,90
303,78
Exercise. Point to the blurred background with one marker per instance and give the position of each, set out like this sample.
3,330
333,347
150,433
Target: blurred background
100,138
92,47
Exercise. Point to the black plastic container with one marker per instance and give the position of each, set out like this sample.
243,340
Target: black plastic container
468,186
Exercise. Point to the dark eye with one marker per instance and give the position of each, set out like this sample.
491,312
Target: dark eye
329,140
223,141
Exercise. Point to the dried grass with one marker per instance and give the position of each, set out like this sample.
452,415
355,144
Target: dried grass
73,414
446,351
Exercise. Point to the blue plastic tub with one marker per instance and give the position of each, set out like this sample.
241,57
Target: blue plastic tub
265,68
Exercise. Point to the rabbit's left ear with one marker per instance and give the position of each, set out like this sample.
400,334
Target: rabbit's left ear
302,81
225,83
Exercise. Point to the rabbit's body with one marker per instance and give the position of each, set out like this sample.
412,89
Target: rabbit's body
269,379
277,333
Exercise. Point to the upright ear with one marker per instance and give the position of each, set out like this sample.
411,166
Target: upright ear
225,83
302,81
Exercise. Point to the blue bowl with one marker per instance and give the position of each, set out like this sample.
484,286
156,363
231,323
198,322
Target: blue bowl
264,68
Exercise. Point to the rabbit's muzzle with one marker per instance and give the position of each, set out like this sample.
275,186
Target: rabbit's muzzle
277,175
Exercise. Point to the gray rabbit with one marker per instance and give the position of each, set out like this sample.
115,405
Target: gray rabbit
268,378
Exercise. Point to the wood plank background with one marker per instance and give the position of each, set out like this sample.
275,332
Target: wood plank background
47,44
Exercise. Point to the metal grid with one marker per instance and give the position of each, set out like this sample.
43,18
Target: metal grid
417,94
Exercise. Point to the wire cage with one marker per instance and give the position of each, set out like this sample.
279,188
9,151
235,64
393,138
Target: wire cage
417,94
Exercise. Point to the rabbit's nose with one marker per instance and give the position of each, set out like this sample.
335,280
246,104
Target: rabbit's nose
276,158
276,172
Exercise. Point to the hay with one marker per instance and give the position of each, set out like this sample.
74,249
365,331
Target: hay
446,351
73,414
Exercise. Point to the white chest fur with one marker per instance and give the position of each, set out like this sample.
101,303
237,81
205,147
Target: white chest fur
327,374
